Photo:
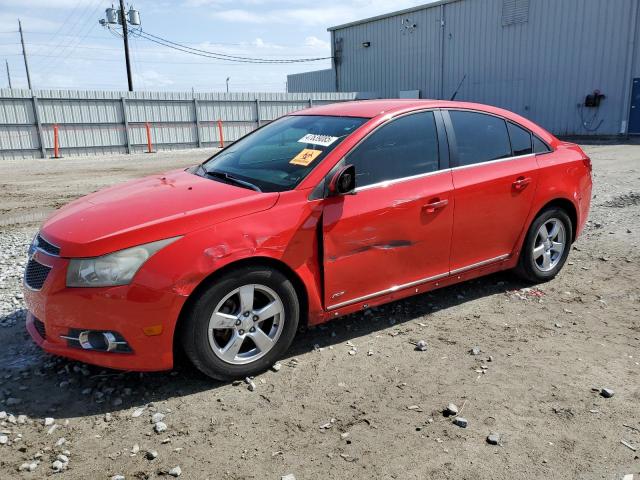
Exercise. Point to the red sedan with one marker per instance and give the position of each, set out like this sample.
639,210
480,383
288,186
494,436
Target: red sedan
321,213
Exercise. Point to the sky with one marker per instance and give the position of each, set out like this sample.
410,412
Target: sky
68,49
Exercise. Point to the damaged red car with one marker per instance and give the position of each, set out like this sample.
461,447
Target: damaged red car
321,213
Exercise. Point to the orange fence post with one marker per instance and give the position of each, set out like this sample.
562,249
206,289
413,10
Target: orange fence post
149,146
56,142
220,132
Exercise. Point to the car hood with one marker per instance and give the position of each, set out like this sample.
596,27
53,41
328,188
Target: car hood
148,209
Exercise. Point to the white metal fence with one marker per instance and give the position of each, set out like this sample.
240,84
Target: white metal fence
99,122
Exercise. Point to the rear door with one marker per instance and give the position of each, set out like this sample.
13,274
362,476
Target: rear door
396,230
494,178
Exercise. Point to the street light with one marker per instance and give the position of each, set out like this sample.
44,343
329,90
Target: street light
228,78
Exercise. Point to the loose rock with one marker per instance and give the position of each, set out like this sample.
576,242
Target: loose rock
160,427
151,455
475,351
451,409
157,417
493,439
251,386
607,393
461,422
421,346
175,472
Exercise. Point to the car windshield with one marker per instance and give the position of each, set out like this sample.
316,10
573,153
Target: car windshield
280,155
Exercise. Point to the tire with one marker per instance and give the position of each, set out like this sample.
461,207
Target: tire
544,263
224,346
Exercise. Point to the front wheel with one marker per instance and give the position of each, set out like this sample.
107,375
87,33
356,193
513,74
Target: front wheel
546,246
241,324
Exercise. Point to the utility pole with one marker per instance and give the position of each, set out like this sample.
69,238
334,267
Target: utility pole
113,17
6,62
228,78
125,36
24,54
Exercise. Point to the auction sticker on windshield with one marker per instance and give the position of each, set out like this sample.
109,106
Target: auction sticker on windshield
314,139
305,157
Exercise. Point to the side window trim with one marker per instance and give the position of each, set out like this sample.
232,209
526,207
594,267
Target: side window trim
453,151
451,138
444,154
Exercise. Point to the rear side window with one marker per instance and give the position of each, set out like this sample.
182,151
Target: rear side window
405,147
539,146
479,137
520,140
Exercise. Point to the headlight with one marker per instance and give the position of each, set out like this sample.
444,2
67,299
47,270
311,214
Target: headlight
116,268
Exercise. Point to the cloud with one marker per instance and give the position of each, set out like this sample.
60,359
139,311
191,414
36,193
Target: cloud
9,21
332,12
315,42
48,4
151,79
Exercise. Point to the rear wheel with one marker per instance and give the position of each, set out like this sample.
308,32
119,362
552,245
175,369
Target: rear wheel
546,246
242,324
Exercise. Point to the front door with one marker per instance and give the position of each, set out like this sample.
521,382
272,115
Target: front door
396,230
634,114
494,177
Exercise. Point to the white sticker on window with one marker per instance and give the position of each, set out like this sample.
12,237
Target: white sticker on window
313,139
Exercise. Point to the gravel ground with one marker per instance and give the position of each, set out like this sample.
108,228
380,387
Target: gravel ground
354,398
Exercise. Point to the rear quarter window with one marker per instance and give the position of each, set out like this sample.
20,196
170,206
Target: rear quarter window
520,140
539,146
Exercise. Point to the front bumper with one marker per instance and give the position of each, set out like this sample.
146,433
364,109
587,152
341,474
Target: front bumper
145,315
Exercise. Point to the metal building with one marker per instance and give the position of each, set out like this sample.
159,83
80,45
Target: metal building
573,66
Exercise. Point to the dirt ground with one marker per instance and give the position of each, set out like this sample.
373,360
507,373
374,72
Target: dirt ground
328,414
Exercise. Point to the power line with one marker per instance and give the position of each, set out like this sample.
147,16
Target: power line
221,56
62,47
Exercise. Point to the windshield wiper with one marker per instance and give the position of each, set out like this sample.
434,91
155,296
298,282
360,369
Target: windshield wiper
231,179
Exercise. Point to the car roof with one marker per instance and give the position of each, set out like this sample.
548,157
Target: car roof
393,107
368,108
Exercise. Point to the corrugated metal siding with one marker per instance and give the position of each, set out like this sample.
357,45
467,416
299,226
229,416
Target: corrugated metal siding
93,122
397,59
541,68
317,81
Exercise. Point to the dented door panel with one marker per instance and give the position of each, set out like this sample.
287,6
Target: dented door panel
385,237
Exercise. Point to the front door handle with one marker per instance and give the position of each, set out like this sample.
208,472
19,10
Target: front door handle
521,182
431,207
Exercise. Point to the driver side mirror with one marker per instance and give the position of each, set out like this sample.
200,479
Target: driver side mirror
343,182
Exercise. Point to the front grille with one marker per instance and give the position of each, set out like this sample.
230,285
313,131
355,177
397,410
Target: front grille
51,249
35,274
40,328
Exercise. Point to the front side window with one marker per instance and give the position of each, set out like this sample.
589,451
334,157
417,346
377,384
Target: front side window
404,147
479,137
280,155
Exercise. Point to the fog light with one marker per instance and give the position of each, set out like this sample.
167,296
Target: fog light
91,340
97,340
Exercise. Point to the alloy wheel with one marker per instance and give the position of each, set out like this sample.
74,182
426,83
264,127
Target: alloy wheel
549,245
246,324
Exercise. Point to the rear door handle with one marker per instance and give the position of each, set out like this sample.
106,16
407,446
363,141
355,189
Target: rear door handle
431,207
521,183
